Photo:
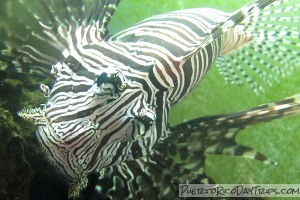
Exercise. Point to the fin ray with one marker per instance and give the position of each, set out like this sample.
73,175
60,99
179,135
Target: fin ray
273,51
180,158
47,29
217,134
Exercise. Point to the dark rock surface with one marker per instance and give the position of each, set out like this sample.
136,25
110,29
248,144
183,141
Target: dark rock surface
24,170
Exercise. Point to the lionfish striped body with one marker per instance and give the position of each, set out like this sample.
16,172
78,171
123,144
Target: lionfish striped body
109,106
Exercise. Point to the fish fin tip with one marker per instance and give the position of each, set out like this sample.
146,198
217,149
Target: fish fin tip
77,186
270,162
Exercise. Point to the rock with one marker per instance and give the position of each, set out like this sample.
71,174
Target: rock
15,170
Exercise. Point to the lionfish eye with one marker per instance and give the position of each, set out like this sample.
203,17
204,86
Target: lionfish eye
110,84
112,79
101,79
116,81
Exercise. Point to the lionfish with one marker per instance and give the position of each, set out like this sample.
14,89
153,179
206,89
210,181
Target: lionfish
107,112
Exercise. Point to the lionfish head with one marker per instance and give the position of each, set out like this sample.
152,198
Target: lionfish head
94,117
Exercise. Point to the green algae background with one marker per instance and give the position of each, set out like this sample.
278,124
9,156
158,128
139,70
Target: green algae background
279,139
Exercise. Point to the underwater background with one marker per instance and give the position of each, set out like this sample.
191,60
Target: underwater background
21,159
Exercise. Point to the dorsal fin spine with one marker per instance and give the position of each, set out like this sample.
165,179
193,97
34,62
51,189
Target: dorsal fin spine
50,30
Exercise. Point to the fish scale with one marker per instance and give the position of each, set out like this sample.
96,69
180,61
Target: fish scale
108,109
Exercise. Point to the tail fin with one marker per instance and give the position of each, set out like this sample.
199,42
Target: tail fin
37,34
272,49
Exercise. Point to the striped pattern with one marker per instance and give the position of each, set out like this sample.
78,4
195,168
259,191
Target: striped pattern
49,30
112,94
171,41
89,134
181,157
